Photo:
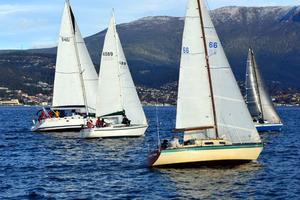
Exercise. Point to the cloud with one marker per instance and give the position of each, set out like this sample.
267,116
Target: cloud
26,24
9,9
47,43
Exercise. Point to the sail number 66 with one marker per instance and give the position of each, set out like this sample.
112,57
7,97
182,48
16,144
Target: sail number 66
186,50
213,45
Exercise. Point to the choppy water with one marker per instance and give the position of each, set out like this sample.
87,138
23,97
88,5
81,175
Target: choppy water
52,166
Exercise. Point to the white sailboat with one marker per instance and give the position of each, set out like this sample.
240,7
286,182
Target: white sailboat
116,94
75,81
211,111
258,99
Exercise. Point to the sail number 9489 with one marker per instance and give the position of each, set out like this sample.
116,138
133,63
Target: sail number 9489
107,53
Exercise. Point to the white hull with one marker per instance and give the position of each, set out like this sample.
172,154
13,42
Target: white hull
114,131
59,124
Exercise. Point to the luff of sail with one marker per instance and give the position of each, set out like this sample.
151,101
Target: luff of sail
116,90
233,119
75,76
257,97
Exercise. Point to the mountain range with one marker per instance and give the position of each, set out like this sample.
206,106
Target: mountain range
152,47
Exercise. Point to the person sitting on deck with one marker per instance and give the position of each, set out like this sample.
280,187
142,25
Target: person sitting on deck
164,144
57,114
261,121
51,113
126,120
89,123
42,116
174,143
99,122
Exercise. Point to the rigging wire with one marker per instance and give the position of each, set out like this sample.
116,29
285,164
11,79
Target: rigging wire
157,125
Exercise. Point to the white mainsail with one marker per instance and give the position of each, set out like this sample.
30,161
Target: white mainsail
232,116
194,105
116,90
75,76
257,97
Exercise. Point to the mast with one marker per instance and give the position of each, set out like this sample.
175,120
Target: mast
77,58
118,60
256,81
208,69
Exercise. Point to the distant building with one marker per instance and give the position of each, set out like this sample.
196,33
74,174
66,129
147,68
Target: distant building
10,102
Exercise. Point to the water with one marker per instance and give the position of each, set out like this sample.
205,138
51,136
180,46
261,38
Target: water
53,166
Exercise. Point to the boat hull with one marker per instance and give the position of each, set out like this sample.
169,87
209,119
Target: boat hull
268,127
72,123
202,155
113,132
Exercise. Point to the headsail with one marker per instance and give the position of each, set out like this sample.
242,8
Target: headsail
257,97
88,71
116,90
75,76
130,98
233,119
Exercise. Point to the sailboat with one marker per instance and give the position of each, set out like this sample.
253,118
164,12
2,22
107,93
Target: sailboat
75,81
258,99
211,112
117,97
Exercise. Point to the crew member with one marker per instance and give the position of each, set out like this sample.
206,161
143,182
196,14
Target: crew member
57,114
126,120
99,122
89,123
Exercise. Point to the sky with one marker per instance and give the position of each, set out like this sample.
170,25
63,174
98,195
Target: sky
26,24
